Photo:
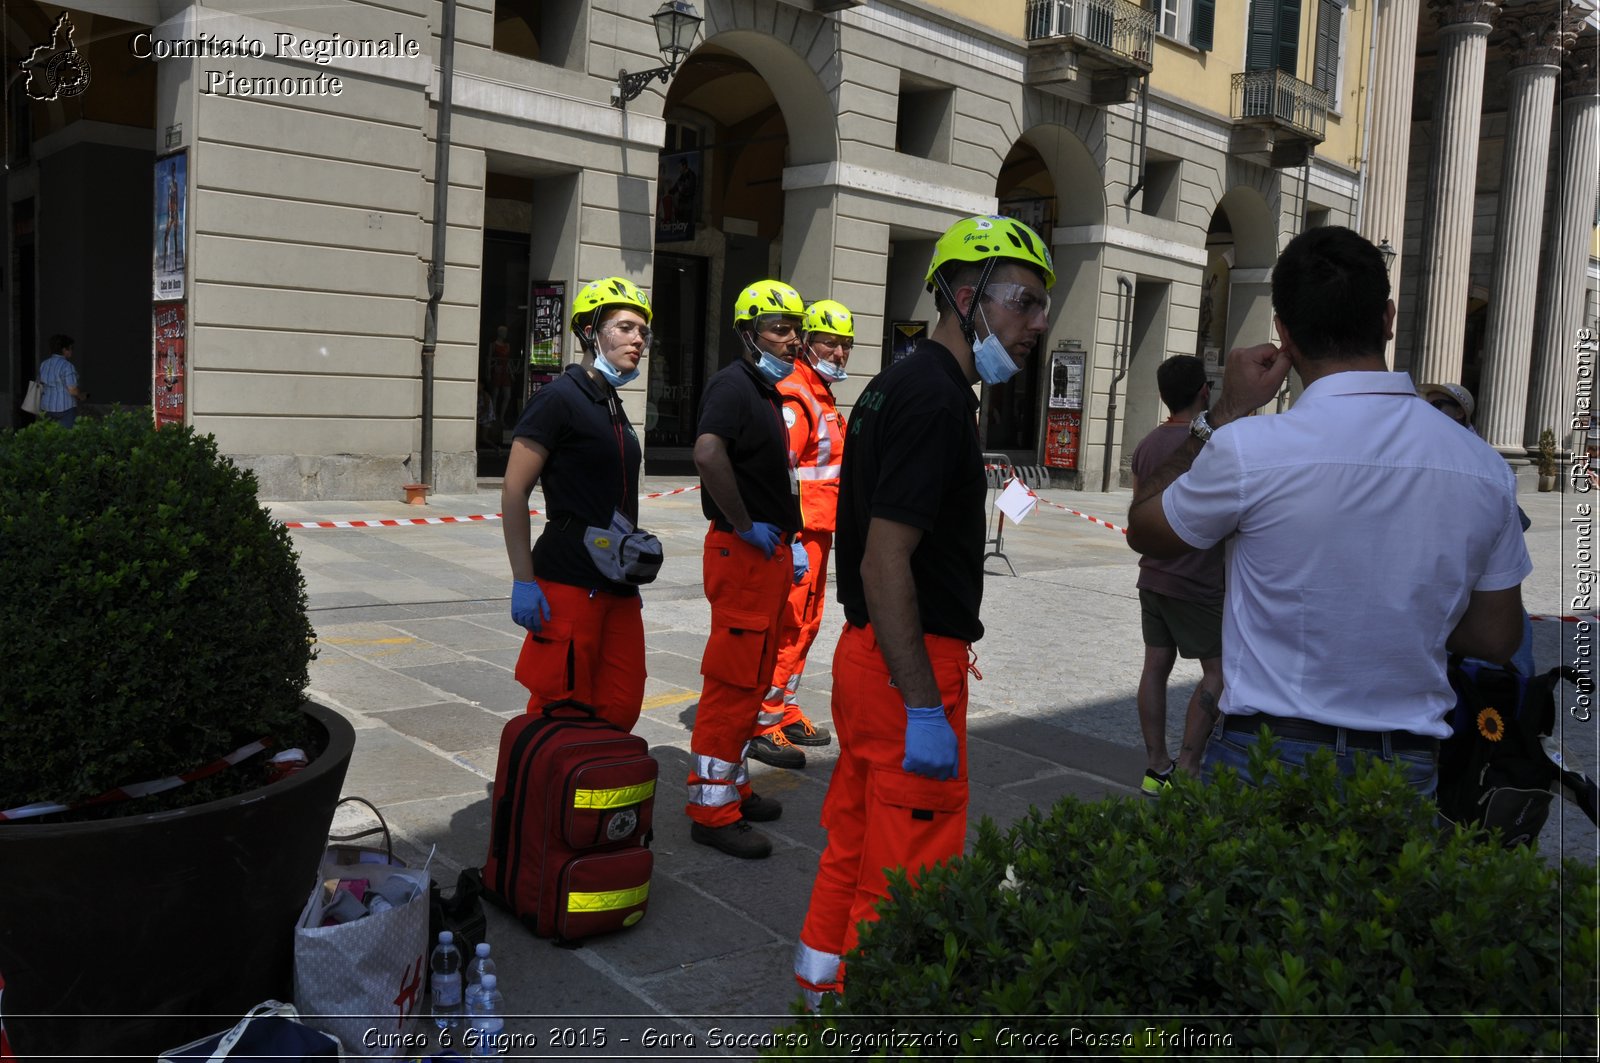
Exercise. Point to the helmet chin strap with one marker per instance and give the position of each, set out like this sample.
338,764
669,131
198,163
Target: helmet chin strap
969,327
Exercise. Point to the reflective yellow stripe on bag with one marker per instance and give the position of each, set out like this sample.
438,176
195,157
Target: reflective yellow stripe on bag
617,797
609,901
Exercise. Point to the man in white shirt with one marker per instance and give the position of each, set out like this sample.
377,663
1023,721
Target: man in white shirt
1369,534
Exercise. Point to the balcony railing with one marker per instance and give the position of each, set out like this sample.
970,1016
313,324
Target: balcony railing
1115,25
1281,100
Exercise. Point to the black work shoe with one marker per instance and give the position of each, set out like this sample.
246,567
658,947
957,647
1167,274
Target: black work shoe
736,839
758,809
805,733
775,749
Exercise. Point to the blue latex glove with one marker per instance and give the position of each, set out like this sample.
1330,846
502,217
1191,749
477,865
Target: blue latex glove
763,536
931,747
802,563
529,606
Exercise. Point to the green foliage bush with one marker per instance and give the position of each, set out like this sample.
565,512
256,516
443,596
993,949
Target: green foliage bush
1312,916
152,614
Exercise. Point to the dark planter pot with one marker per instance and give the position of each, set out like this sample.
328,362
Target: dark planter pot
136,935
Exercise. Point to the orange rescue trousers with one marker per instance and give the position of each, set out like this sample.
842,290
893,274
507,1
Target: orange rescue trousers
748,593
876,814
802,619
591,649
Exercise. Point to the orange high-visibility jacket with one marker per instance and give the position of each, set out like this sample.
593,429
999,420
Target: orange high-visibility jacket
816,444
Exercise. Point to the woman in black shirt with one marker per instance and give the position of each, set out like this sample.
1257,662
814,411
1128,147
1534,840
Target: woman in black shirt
585,629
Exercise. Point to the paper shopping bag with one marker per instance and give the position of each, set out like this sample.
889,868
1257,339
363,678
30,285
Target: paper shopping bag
364,981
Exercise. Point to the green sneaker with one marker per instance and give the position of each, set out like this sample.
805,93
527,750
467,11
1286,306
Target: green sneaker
1157,781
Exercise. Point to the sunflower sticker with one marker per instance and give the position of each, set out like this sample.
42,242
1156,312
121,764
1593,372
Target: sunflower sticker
1490,725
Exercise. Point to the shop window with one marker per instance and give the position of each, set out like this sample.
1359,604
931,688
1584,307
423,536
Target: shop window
546,31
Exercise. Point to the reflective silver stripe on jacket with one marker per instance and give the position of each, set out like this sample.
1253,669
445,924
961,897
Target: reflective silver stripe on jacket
817,472
817,972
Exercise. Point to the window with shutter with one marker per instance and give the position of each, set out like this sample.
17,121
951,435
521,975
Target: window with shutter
1273,36
1330,47
1204,16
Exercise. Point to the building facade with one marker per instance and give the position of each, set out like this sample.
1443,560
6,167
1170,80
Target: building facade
232,204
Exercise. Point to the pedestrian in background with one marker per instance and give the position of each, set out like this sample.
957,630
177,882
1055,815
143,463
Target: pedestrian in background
585,628
751,497
910,543
1370,535
59,394
816,444
1180,599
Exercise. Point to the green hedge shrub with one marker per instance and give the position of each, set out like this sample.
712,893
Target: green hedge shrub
1312,916
154,616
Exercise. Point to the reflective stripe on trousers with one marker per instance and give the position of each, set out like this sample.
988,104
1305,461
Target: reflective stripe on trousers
747,591
714,782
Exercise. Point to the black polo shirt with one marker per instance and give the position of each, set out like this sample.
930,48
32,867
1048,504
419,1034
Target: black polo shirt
592,471
912,456
747,412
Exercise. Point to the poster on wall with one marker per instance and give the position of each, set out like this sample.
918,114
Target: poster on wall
677,196
1062,429
904,337
167,397
172,218
1066,380
547,301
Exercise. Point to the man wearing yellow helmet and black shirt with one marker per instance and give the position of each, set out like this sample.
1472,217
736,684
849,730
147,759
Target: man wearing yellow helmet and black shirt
909,549
816,443
585,632
751,497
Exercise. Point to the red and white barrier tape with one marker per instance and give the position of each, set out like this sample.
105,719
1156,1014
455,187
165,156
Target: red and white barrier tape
406,522
140,789
1565,619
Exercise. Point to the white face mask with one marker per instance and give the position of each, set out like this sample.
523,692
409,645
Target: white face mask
772,367
828,371
994,362
614,376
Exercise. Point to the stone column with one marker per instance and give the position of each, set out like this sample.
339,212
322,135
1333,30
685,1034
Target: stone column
1383,211
1445,266
1535,39
1562,281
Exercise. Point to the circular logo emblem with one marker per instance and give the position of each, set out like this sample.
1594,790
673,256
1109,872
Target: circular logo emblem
603,543
788,416
633,917
68,74
622,825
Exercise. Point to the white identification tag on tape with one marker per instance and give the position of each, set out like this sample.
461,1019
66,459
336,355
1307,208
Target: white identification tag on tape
1017,500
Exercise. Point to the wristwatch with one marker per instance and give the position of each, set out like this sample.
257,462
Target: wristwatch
1200,427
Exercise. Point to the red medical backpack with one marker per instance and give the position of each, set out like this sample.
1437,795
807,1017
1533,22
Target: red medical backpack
570,823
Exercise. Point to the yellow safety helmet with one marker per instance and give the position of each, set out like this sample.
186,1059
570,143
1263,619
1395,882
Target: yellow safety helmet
605,292
992,236
767,297
827,315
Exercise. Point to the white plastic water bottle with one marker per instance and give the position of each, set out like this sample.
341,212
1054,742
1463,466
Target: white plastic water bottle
486,1013
479,965
445,977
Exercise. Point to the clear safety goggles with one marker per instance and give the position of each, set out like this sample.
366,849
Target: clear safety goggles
1019,298
630,330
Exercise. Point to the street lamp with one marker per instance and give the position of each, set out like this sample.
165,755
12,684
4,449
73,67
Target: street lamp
1386,249
677,25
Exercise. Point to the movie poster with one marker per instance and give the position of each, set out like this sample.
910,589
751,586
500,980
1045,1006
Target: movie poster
677,197
172,219
547,302
167,397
